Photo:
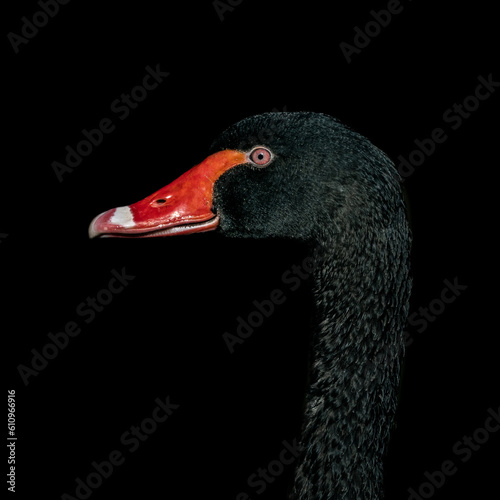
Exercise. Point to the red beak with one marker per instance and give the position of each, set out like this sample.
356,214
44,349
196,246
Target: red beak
182,207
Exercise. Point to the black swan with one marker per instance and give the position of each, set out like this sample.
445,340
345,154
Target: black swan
306,176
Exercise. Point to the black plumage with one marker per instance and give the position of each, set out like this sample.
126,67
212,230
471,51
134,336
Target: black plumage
330,187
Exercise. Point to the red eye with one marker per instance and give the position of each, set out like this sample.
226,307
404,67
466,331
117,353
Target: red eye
260,156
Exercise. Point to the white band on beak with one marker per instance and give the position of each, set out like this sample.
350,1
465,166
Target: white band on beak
123,217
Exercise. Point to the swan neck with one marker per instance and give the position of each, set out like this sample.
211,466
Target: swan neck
361,308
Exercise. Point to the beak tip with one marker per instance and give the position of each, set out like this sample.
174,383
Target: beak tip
96,226
93,231
116,219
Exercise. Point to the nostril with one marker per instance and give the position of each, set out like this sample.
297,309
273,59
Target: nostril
161,201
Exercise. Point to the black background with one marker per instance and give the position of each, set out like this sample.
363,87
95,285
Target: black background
162,336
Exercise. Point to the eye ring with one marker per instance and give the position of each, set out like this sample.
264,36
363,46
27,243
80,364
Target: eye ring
260,156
